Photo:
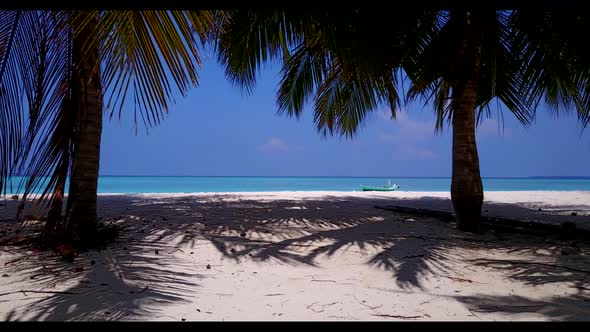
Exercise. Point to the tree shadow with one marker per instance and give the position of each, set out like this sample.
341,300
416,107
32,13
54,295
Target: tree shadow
572,308
297,232
290,231
126,280
541,212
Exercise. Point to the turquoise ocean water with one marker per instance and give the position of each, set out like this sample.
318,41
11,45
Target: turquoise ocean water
188,184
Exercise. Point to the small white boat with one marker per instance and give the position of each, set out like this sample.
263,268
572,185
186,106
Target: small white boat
389,187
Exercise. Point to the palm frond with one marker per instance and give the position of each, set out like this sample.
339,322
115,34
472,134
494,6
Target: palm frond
35,89
152,54
554,61
11,119
301,74
251,38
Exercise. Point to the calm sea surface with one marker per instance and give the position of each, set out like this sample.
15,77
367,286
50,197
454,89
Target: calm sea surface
181,184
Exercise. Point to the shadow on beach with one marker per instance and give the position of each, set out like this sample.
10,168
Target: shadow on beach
129,278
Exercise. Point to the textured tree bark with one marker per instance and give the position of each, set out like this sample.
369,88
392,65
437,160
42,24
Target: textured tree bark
81,206
466,186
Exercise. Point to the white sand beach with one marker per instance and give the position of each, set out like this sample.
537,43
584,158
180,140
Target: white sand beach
306,256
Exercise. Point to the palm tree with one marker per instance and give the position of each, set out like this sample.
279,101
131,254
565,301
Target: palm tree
351,62
73,67
517,58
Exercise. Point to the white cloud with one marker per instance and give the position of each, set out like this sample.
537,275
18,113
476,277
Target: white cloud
411,137
407,129
385,115
276,145
407,135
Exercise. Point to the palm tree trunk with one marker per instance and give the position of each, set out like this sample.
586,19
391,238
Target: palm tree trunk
81,206
466,186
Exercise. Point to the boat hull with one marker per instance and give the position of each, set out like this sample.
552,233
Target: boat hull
379,188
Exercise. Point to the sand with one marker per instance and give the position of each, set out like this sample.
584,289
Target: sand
306,256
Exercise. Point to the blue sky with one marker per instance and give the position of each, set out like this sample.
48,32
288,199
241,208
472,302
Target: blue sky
217,130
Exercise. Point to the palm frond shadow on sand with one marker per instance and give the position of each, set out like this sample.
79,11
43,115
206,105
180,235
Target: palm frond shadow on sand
127,279
411,251
296,232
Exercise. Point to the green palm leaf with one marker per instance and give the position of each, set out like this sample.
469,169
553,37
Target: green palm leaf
151,54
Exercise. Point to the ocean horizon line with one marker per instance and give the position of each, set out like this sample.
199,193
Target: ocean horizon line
560,177
581,177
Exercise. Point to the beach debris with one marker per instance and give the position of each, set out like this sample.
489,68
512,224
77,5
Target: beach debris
323,280
157,251
92,262
540,210
232,250
366,305
310,307
192,252
14,197
107,312
104,284
184,319
208,266
573,214
67,252
5,275
242,234
321,306
199,310
397,316
410,219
